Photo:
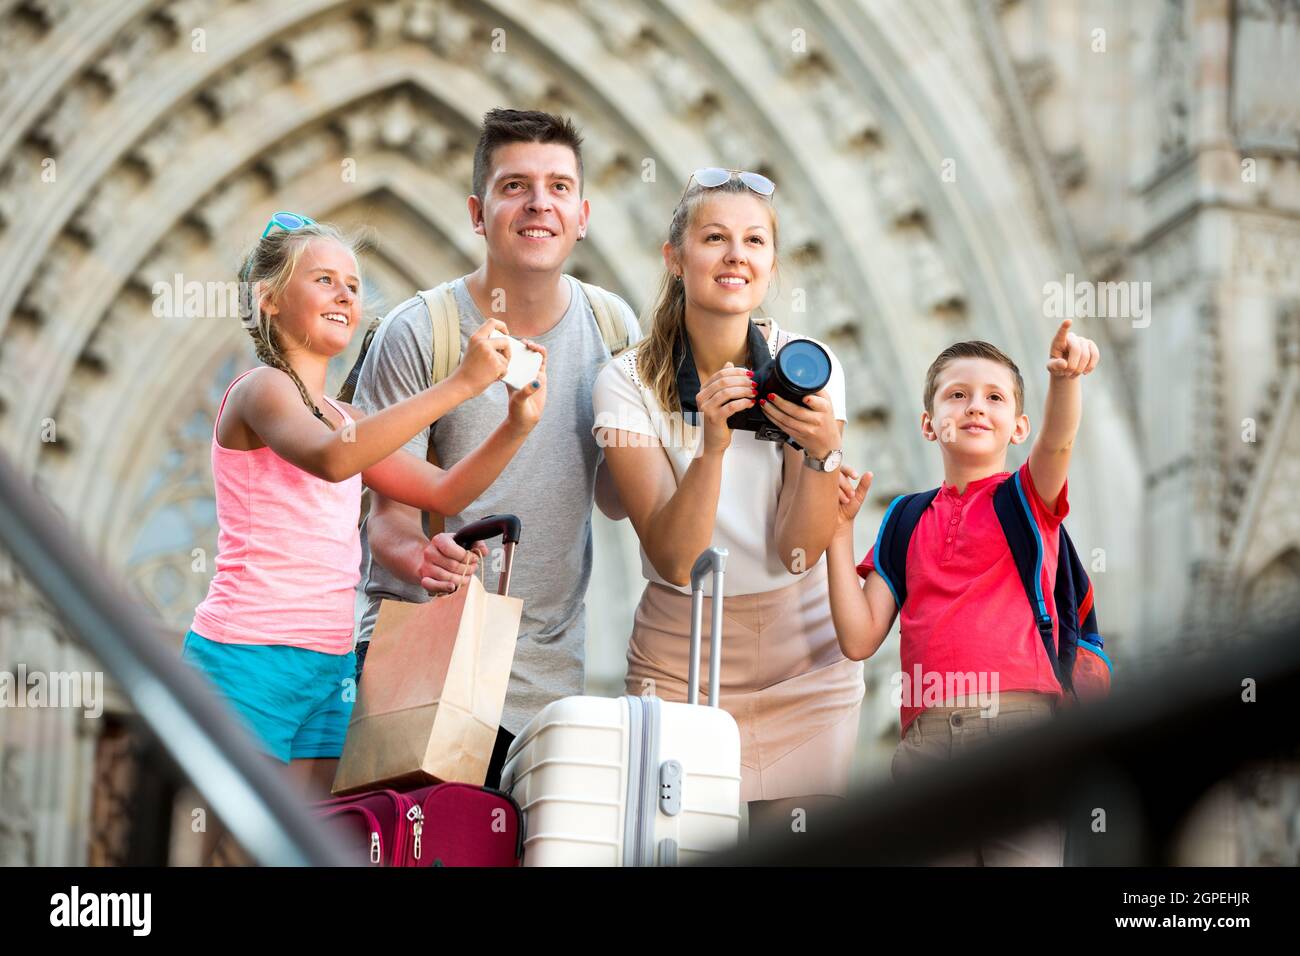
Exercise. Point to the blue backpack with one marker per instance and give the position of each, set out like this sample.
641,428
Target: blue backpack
1079,660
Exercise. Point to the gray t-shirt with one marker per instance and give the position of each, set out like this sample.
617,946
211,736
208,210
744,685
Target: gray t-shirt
549,484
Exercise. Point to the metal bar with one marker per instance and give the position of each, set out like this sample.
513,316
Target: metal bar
1151,750
253,800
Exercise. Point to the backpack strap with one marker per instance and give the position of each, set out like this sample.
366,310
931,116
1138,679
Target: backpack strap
893,538
1026,543
444,315
606,307
349,386
1073,595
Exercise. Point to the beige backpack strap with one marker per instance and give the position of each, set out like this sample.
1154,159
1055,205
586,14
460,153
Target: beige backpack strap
609,317
445,318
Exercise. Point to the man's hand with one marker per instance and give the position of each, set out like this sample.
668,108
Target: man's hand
445,565
1072,355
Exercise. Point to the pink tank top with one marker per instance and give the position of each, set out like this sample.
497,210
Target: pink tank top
288,552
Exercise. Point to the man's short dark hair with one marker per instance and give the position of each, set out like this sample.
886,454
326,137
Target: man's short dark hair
972,350
502,127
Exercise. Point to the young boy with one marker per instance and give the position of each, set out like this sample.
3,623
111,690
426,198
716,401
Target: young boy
966,622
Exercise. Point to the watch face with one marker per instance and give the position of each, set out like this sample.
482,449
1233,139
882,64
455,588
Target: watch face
833,460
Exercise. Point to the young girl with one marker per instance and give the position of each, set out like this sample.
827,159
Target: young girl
275,631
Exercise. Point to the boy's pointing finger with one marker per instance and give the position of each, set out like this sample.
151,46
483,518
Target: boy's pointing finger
1061,338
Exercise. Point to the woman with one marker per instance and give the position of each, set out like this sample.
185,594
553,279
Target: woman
689,481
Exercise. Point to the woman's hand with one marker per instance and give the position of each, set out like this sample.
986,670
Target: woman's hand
728,391
526,403
811,424
851,498
486,359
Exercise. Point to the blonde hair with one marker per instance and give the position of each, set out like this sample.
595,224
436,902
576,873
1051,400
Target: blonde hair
268,267
667,322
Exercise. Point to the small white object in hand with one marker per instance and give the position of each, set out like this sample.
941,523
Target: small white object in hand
524,363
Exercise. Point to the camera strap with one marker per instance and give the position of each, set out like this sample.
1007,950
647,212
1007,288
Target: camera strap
688,376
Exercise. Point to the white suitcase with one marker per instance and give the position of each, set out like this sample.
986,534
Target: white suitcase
633,781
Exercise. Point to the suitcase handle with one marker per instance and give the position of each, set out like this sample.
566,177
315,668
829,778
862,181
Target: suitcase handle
507,526
715,560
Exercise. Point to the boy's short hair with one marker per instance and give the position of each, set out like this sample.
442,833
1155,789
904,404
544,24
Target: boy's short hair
502,127
972,350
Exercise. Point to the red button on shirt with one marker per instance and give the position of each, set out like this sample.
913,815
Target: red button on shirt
966,610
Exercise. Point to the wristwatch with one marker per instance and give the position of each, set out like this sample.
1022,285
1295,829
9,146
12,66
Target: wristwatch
827,464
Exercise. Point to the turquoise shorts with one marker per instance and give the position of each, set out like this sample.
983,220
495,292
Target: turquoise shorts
296,702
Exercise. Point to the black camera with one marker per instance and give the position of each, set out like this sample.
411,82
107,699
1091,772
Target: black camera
801,367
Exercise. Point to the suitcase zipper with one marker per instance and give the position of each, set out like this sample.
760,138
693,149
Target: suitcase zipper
642,711
372,823
416,816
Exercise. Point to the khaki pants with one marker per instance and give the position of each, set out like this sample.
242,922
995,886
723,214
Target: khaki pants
940,733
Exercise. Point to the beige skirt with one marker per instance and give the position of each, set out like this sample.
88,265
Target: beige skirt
795,697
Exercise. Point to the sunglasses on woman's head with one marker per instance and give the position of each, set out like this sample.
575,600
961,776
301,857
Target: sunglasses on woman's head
712,177
288,221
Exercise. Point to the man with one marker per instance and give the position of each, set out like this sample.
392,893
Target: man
527,204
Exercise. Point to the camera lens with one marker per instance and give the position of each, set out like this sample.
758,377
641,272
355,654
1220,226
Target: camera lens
804,365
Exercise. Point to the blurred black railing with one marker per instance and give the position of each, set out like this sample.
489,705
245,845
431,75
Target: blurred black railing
1145,757
174,706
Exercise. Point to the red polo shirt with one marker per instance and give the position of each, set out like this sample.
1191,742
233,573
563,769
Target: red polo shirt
966,610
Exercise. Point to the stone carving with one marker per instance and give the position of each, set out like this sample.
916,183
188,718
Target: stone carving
850,121
385,21
1035,76
66,117
898,201
180,127
239,87
304,152
98,214
776,26
49,282
49,12
1265,43
683,89
223,205
936,288
17,821
619,24
1172,80
183,15
334,39
1069,168
453,32
526,84
1268,250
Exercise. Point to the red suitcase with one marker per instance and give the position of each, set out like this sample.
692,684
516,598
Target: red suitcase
447,824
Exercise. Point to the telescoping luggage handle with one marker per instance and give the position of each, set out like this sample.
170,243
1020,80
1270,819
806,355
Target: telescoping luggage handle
508,527
715,560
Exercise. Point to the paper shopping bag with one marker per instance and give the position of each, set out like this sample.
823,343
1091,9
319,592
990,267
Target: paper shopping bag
432,692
